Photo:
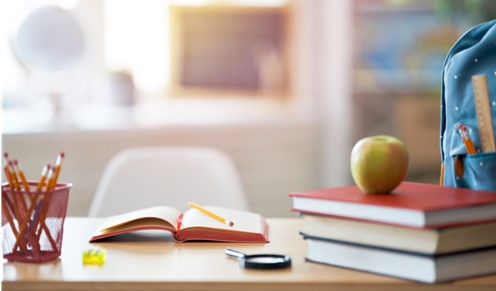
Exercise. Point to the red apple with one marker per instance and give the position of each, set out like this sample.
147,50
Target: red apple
379,163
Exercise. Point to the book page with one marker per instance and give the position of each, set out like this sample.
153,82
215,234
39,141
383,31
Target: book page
244,221
158,216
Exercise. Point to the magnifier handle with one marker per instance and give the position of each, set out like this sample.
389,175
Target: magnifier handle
234,254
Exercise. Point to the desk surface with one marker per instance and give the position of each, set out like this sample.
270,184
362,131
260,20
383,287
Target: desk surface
154,265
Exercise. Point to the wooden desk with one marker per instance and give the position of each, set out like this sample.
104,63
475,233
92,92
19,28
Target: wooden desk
160,265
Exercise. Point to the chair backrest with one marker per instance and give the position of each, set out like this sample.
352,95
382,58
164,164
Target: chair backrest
173,176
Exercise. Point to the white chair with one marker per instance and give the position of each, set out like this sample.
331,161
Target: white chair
148,176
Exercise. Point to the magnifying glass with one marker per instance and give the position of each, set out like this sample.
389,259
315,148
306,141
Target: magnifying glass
260,261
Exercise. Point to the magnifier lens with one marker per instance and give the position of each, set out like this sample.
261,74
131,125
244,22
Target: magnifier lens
265,260
261,261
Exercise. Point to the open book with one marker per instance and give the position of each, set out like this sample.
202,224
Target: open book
190,225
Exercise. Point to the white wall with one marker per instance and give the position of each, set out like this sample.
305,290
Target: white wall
334,98
273,159
324,45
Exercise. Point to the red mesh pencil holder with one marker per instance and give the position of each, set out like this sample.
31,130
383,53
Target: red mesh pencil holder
33,222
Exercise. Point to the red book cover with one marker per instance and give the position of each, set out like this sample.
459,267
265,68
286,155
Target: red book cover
414,204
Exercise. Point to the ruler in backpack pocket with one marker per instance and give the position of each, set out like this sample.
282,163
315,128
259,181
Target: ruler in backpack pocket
483,110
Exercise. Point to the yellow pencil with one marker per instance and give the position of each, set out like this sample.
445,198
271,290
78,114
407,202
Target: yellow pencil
211,214
25,222
43,177
10,178
13,185
469,145
56,171
12,203
6,170
22,177
14,182
43,205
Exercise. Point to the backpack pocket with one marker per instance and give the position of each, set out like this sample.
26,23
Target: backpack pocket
475,171
480,171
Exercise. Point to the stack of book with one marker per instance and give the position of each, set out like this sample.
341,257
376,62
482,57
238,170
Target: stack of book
420,232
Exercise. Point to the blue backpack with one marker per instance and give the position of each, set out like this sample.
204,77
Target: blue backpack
473,54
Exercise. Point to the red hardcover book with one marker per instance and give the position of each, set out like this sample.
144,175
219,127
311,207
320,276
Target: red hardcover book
410,204
190,225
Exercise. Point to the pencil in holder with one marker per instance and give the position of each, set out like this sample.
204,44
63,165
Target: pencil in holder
33,222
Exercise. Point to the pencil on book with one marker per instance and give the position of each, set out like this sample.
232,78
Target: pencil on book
211,214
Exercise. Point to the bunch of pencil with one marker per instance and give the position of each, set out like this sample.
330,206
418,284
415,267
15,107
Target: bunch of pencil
25,205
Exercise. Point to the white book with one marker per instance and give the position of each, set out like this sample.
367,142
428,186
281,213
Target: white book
411,266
